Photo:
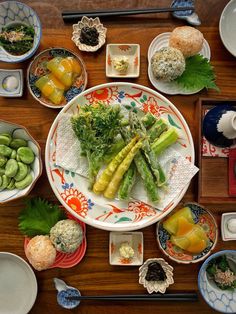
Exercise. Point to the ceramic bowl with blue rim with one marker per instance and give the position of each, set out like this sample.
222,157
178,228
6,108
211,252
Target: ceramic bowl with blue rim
38,68
223,301
14,12
35,168
202,217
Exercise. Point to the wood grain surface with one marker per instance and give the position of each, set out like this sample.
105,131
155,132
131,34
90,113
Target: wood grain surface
94,275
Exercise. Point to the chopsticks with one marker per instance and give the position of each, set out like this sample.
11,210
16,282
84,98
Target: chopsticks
139,297
70,16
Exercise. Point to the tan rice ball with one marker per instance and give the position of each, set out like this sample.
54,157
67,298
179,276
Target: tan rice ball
40,252
187,39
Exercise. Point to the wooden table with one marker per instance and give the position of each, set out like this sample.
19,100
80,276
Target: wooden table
94,275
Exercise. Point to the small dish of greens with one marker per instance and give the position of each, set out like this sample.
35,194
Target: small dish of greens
17,38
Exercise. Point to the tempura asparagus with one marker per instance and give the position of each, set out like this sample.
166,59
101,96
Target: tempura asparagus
127,182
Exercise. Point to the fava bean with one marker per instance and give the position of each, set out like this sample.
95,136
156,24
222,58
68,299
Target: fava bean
26,155
5,140
7,135
2,171
0,180
5,182
3,160
11,168
18,142
13,154
11,185
17,157
5,150
25,182
22,171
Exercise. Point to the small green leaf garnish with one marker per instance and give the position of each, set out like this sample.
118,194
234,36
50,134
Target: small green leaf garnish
39,217
198,74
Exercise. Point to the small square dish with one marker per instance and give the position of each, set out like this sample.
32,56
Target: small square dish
123,60
11,83
228,226
126,248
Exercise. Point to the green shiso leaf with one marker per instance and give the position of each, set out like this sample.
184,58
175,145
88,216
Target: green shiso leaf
39,217
198,74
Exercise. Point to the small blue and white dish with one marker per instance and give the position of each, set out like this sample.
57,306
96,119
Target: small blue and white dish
11,83
219,125
220,300
189,15
14,12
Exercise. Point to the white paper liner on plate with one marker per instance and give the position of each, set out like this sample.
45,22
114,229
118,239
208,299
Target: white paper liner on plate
178,169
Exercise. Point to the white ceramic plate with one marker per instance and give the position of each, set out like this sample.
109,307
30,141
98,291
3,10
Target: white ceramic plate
72,189
227,27
170,88
18,285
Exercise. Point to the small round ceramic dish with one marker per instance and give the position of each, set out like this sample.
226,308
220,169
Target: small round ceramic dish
170,88
227,27
18,285
202,217
156,286
89,22
14,12
19,131
220,300
66,260
38,68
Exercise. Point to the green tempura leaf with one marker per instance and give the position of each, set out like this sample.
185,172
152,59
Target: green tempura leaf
39,217
198,74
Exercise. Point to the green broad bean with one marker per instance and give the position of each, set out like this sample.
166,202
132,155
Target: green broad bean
5,150
17,157
5,140
2,171
22,172
26,155
25,182
5,182
13,154
17,143
11,185
0,180
11,168
3,160
7,135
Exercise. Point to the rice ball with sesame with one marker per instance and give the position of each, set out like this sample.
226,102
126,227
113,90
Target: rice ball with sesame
167,64
66,235
40,252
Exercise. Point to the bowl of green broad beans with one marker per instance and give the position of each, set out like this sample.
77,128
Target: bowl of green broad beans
20,161
20,31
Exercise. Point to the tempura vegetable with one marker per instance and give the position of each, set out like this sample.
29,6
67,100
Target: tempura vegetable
106,176
113,186
127,182
157,129
165,140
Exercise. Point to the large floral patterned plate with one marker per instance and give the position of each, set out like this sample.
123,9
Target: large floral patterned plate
202,217
71,189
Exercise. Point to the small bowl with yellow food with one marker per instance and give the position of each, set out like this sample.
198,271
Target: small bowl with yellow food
188,234
56,76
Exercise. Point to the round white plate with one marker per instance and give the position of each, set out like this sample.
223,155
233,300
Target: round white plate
72,189
170,88
227,27
18,285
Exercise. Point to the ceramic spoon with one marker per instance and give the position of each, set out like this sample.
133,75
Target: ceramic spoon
64,292
190,16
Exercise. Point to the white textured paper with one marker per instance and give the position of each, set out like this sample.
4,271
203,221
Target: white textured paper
178,169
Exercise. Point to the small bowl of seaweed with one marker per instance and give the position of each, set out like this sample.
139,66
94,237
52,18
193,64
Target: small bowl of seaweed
217,281
20,32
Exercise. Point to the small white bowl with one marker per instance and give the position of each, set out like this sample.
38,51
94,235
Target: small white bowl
89,22
226,234
156,286
134,239
19,131
17,91
131,52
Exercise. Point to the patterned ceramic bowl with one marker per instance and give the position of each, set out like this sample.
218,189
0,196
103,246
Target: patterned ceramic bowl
17,12
202,217
19,131
220,300
38,68
89,22
156,286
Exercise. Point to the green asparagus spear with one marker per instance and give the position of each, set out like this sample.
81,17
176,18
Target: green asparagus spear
157,129
113,185
106,176
165,140
148,120
127,182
